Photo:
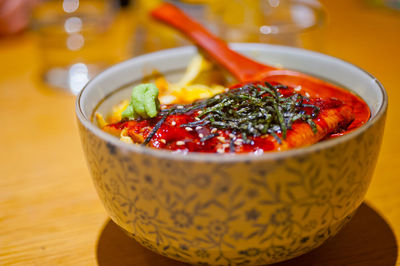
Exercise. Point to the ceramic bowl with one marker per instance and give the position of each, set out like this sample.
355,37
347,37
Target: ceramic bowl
231,209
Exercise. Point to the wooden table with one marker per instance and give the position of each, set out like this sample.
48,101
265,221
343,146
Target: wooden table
49,210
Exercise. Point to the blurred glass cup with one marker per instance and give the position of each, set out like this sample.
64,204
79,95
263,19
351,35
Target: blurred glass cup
286,22
74,41
151,35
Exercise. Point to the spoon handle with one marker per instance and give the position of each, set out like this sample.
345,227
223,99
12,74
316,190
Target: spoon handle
243,68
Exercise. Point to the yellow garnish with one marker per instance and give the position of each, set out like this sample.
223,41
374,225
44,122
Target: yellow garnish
116,112
112,130
186,90
125,137
100,120
197,65
189,94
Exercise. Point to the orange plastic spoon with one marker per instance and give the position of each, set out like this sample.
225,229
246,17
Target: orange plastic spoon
247,70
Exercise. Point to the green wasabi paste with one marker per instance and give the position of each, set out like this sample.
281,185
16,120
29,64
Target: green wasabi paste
144,102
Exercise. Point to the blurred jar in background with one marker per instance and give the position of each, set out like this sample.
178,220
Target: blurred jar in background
74,39
151,35
285,22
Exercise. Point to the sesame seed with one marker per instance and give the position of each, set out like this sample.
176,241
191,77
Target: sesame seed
298,88
188,129
180,143
259,152
163,141
221,150
179,107
226,145
217,97
220,138
200,112
196,118
214,130
198,127
173,123
201,135
307,94
232,136
238,142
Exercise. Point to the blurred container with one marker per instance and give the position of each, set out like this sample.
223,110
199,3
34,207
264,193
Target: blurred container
151,35
74,40
391,4
285,22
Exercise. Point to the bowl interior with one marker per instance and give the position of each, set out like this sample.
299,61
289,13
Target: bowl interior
115,83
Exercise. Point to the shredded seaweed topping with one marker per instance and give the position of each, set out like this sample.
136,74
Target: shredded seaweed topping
209,137
251,110
155,129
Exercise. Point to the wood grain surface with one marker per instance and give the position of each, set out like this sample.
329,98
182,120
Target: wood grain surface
49,210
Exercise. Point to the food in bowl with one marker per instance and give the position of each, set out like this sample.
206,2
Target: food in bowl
254,117
208,209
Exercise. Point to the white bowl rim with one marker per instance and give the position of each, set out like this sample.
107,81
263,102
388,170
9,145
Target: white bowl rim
227,158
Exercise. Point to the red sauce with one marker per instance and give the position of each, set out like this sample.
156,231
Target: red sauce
173,137
325,90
